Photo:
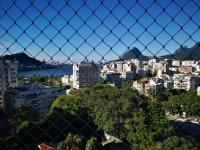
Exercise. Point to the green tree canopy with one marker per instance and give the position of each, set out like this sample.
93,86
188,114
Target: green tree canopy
72,142
127,115
93,144
178,143
70,103
187,102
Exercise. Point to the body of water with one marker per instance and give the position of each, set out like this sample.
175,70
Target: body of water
56,72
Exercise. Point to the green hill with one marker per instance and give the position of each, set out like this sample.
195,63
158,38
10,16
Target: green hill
23,59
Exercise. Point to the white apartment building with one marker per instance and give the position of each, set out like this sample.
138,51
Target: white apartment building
8,78
169,84
198,67
176,63
173,69
67,80
138,64
113,77
106,67
167,81
164,77
38,98
129,66
119,66
143,87
198,91
185,82
139,68
139,86
128,75
152,61
189,63
156,84
85,74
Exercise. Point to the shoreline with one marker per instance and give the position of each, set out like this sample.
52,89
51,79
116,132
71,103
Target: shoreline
43,68
55,71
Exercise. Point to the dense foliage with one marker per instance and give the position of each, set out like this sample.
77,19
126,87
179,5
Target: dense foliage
187,102
178,143
125,114
72,142
118,111
40,80
178,102
21,115
93,144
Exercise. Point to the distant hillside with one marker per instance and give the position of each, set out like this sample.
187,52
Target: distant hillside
182,53
23,59
133,53
185,53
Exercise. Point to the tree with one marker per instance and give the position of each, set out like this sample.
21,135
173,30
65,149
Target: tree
178,143
151,93
109,106
164,95
127,84
157,121
187,102
137,132
22,126
119,111
70,103
21,79
125,114
93,144
67,114
20,115
72,142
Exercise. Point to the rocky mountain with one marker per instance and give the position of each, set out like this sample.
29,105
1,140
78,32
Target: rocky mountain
23,59
185,53
133,53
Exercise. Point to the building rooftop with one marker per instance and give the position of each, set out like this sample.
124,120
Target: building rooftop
46,146
30,87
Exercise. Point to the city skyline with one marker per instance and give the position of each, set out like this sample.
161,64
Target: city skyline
100,74
99,29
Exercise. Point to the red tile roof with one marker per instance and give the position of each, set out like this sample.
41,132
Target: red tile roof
45,146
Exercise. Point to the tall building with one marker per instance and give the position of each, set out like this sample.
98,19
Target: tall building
85,74
38,98
8,78
186,69
185,82
198,91
67,80
176,63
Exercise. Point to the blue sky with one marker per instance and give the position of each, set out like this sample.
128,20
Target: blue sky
78,29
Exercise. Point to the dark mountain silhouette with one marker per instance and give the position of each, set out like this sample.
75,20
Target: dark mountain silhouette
23,59
185,53
133,53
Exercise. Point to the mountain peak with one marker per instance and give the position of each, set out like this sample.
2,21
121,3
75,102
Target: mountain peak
197,45
185,53
132,53
23,58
